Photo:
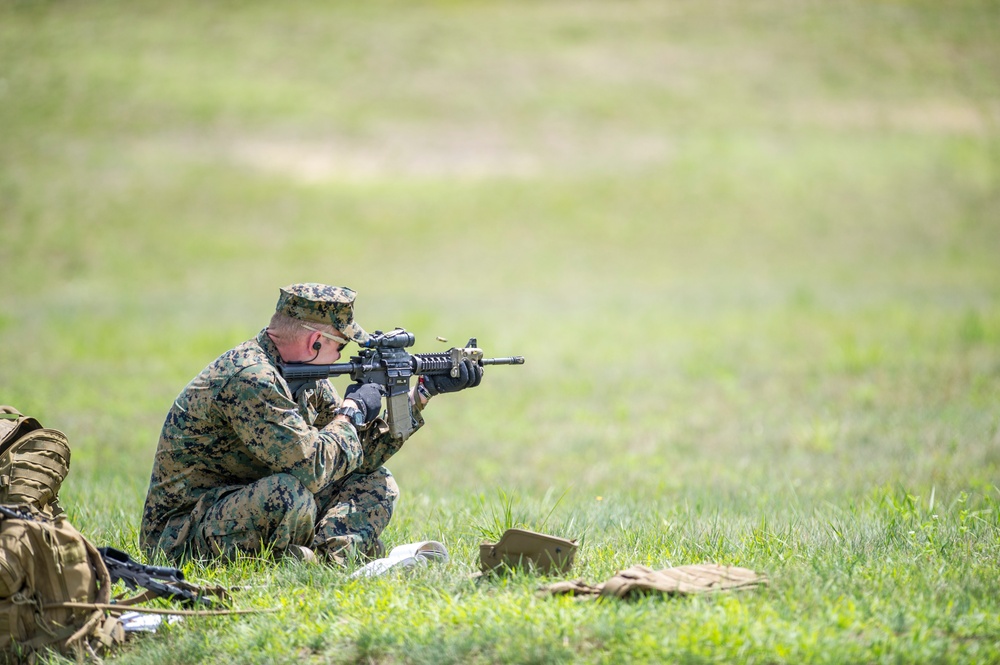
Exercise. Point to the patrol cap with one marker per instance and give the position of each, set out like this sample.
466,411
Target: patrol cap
524,548
320,303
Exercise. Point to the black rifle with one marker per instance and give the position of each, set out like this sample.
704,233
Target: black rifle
15,513
163,582
384,361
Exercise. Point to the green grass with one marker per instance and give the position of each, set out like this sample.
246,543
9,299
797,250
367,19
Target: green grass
749,251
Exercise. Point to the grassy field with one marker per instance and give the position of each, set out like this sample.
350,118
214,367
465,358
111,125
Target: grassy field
750,250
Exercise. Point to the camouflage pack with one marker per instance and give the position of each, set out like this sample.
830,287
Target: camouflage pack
34,462
55,586
52,584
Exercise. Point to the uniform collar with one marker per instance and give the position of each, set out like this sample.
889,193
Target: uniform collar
269,347
301,390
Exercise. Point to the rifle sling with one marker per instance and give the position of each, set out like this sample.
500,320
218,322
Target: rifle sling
153,594
177,590
153,610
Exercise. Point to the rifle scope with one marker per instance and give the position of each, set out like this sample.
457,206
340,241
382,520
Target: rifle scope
394,339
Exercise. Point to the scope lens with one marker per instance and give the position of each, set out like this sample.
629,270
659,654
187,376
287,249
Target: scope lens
396,339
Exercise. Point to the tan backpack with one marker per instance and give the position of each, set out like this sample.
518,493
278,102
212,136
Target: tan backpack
55,586
34,461
53,583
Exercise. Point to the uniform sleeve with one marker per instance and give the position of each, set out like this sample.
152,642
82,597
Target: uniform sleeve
325,401
270,425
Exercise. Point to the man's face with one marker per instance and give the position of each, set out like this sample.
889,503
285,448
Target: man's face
326,346
329,353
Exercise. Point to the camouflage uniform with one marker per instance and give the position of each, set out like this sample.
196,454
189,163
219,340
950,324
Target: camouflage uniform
246,461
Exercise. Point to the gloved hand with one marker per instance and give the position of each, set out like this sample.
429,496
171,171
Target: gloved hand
469,375
368,397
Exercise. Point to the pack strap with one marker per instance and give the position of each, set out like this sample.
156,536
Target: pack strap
38,458
45,439
68,633
21,473
34,494
86,629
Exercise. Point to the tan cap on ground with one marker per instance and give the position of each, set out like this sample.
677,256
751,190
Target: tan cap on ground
520,547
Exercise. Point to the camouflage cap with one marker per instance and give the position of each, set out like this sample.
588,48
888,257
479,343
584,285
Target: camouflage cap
333,305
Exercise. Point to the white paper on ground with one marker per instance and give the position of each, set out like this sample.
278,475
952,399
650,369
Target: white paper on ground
140,622
405,556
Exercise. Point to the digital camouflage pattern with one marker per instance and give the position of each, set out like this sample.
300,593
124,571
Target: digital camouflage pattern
280,511
242,463
323,304
353,514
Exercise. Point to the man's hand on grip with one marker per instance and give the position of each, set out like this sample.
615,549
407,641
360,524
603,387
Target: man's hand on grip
368,397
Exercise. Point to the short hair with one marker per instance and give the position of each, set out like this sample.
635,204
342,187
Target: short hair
288,327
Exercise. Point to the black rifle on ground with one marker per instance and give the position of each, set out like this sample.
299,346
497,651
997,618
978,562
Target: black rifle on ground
160,582
384,361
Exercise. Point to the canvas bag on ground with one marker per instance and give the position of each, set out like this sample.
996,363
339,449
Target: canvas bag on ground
34,462
45,563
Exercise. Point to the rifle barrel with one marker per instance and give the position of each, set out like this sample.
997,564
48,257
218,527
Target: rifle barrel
510,360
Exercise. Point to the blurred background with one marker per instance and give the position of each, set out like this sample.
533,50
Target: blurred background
747,248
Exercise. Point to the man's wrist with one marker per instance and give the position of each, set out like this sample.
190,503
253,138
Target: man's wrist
422,393
351,413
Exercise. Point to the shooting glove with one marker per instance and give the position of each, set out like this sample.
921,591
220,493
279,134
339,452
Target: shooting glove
469,376
368,397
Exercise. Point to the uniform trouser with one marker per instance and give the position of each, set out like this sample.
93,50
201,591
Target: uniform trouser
340,521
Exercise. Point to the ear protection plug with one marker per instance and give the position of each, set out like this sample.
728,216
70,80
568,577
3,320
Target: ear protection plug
317,346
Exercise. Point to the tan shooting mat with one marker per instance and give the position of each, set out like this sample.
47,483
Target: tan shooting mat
678,581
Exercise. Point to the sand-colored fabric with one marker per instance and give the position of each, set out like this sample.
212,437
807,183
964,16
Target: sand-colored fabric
523,548
677,581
